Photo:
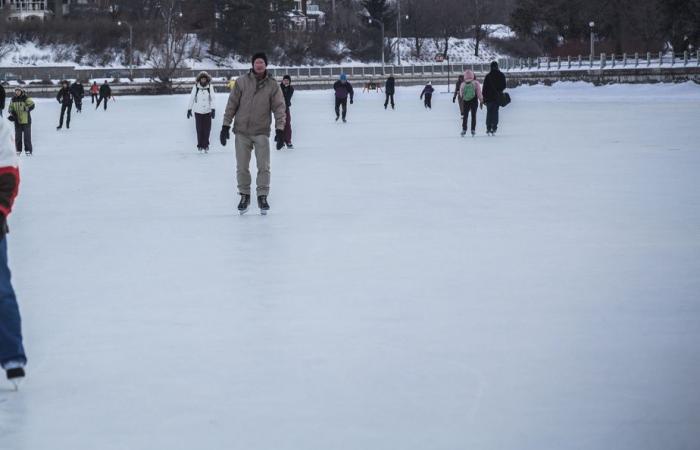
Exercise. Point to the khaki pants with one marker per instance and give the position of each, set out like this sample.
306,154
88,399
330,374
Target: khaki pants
244,148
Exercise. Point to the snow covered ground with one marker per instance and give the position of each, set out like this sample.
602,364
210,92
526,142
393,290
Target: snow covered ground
410,289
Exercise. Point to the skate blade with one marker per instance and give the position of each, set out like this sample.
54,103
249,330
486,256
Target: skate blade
241,212
15,383
263,212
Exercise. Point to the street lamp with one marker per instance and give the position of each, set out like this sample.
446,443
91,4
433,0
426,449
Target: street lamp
131,46
592,24
381,24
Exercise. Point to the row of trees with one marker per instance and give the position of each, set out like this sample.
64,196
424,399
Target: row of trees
562,26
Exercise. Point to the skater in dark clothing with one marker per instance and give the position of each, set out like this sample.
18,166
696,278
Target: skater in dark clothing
470,95
2,99
94,91
65,98
456,94
389,90
288,92
78,92
494,85
12,355
428,94
20,112
202,101
343,90
105,94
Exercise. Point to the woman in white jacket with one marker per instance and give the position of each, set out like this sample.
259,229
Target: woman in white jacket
202,103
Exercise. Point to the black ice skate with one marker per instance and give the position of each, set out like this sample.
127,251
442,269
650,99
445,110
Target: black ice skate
263,205
243,204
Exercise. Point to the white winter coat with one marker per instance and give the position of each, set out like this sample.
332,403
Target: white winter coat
202,99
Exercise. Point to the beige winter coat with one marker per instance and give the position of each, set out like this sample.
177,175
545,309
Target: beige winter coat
252,103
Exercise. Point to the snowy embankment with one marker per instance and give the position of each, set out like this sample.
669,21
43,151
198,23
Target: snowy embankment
410,289
29,54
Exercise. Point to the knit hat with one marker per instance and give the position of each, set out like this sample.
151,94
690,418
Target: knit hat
494,65
287,77
343,77
259,55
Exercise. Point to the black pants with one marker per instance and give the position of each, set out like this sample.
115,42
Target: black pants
94,97
492,116
203,122
106,99
428,102
470,106
386,102
23,131
65,107
341,102
79,104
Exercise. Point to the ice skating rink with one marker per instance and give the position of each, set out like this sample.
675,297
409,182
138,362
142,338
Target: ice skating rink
410,289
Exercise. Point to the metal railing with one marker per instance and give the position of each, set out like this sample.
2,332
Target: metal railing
326,73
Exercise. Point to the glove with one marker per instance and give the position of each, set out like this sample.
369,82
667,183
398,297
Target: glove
351,101
225,135
453,99
481,106
279,139
213,113
189,113
11,118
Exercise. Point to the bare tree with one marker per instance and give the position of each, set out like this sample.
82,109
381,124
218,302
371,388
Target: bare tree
172,46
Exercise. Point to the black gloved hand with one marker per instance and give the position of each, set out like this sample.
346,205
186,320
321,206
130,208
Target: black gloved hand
225,135
12,118
213,113
279,139
351,101
453,99
189,113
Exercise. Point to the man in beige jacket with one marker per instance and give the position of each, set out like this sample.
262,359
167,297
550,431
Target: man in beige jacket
252,102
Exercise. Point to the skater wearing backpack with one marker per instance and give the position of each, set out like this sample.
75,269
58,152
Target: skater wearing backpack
202,102
494,85
65,98
428,93
470,96
12,356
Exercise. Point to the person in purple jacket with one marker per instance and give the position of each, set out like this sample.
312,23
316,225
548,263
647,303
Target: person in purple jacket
428,94
343,90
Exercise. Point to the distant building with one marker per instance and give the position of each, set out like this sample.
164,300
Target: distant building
26,9
306,16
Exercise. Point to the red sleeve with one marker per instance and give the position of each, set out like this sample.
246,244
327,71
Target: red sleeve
9,186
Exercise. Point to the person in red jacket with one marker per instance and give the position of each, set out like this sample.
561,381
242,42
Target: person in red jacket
94,91
12,355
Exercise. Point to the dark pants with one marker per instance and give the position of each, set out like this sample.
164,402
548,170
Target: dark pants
23,132
79,104
388,98
11,348
94,98
470,106
338,103
203,122
428,102
65,107
106,99
288,128
492,116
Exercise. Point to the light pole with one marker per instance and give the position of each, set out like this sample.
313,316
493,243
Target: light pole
381,24
131,46
592,24
398,32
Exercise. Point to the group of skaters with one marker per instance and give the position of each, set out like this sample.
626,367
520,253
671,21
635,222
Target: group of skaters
21,106
70,94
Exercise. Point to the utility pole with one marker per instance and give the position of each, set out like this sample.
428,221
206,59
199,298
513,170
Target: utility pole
398,32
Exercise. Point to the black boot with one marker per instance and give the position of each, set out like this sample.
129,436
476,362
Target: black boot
244,203
263,205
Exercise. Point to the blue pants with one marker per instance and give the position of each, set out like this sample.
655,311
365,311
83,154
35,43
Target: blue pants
11,348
